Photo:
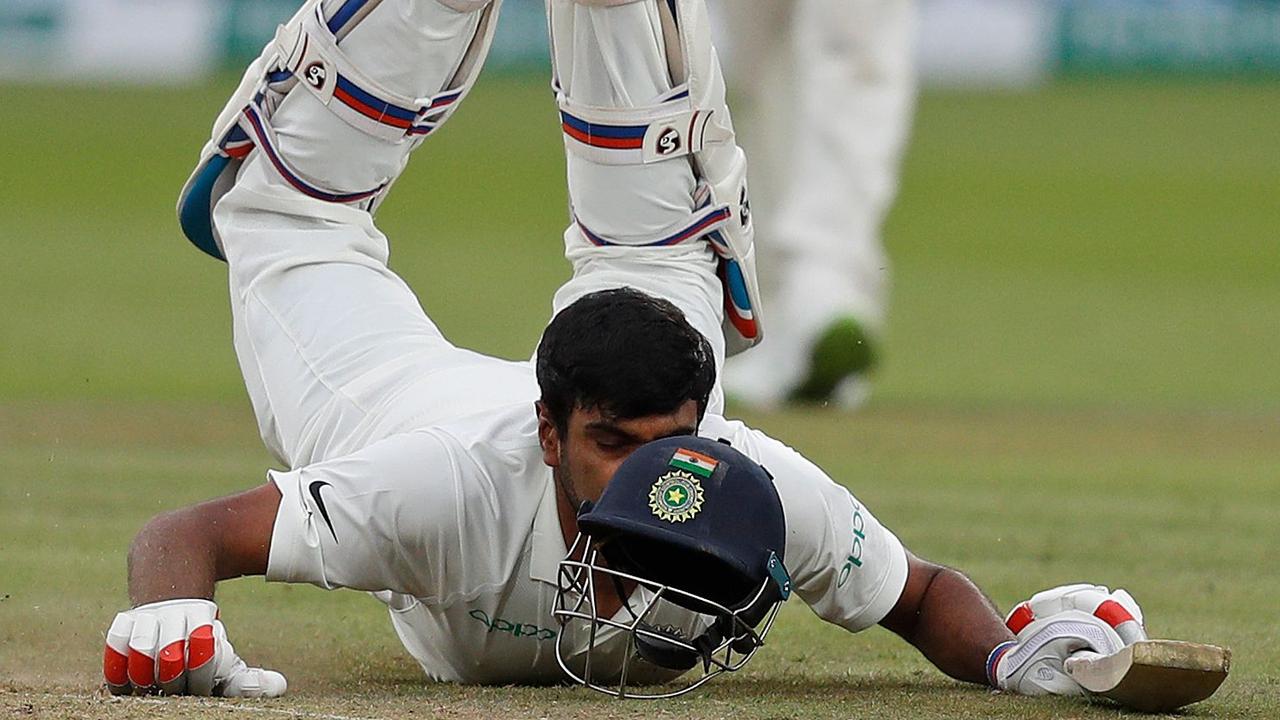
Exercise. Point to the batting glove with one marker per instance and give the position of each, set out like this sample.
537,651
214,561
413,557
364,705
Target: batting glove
179,647
1053,625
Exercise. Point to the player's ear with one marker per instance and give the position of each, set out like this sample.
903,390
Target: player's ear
548,435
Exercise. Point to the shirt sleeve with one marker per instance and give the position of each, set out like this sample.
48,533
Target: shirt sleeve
846,565
387,517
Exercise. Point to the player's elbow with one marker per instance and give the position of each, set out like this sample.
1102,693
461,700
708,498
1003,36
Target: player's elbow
906,616
169,550
176,532
155,534
184,552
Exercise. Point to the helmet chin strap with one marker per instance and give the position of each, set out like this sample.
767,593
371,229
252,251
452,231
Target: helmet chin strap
734,634
665,649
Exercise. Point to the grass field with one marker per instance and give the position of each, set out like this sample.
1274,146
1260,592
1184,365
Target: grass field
1082,382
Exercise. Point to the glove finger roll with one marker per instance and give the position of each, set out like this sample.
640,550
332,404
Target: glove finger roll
171,661
142,653
202,663
115,655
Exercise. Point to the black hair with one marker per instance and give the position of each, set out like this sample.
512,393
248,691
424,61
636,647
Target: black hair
625,353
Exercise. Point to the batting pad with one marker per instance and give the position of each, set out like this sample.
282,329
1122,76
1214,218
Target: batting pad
651,150
339,98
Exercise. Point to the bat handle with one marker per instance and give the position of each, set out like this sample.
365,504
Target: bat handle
1080,657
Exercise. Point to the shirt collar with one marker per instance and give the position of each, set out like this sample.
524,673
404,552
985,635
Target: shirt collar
548,540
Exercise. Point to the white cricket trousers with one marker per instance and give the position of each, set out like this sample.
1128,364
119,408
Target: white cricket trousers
826,91
335,348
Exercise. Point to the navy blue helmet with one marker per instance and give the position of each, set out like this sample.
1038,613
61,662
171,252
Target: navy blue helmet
697,524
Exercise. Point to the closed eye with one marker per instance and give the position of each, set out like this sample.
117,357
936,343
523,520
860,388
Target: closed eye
611,439
615,444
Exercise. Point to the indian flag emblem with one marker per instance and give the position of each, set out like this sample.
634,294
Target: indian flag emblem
676,496
696,463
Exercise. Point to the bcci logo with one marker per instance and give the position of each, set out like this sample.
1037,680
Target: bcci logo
675,497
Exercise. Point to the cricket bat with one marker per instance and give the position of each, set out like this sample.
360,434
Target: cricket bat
1153,675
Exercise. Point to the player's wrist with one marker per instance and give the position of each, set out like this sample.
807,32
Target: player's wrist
994,658
176,602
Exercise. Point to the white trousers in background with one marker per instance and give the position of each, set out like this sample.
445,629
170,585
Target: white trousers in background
824,91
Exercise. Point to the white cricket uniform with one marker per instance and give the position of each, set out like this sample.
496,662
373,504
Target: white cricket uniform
426,457
415,469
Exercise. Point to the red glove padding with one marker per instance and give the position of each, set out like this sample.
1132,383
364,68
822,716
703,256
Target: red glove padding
179,647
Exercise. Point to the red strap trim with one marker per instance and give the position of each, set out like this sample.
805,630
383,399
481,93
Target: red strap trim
604,142
369,112
1020,618
745,326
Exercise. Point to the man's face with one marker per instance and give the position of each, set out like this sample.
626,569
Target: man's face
594,444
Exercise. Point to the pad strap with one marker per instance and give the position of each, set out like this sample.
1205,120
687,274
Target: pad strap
702,223
309,52
634,136
310,56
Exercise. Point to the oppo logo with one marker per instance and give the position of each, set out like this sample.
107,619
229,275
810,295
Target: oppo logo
513,629
854,558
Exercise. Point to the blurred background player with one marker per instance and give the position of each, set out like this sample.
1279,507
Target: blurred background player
824,91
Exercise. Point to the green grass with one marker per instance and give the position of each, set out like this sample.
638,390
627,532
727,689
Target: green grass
1080,383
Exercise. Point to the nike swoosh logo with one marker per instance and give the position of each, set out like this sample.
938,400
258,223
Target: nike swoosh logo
314,489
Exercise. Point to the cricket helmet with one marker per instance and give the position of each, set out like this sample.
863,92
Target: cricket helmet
685,522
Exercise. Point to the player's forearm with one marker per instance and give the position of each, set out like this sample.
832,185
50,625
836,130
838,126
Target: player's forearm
945,616
171,558
957,626
184,553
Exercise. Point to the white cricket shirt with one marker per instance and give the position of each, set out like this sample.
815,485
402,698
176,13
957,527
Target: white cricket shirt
454,526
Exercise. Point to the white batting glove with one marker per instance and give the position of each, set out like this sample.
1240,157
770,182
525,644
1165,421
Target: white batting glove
179,647
1053,625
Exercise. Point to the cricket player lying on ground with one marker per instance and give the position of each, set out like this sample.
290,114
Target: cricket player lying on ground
589,515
